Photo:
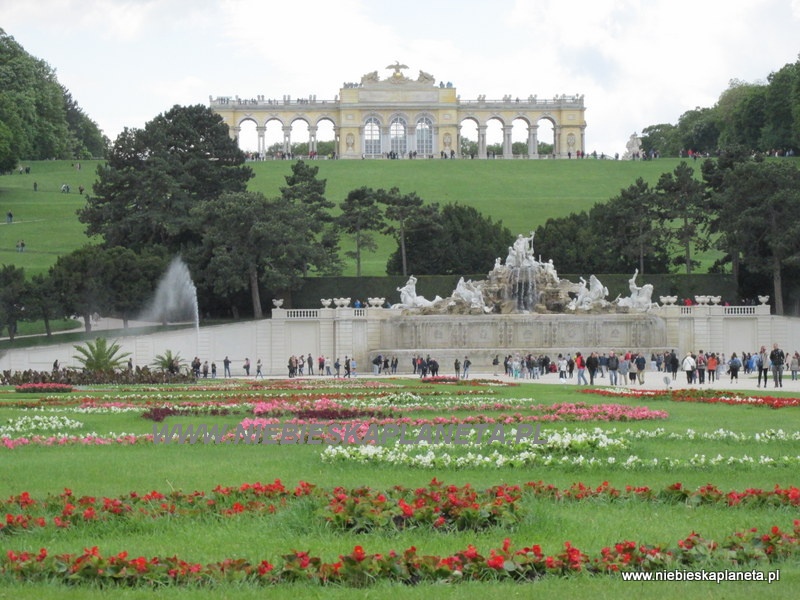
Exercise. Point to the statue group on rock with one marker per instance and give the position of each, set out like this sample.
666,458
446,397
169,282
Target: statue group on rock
525,284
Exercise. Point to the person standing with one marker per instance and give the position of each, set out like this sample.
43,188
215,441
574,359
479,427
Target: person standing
457,368
794,365
205,370
762,364
247,367
347,367
613,368
777,357
641,367
226,367
701,367
310,363
467,364
734,364
352,367
592,365
258,369
689,365
580,364
711,367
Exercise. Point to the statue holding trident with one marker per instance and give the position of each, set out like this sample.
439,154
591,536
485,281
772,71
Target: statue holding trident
523,250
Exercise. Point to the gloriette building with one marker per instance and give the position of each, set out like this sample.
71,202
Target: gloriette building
400,115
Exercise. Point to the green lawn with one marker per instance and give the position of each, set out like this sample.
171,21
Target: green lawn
590,525
521,194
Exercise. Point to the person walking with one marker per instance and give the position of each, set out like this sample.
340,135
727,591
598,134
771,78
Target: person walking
467,364
258,369
580,364
592,365
734,364
641,367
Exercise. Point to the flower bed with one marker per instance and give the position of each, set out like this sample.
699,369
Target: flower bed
43,388
703,396
359,568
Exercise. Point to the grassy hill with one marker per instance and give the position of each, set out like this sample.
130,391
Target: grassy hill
521,194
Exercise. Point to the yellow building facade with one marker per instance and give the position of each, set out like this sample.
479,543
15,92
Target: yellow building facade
400,117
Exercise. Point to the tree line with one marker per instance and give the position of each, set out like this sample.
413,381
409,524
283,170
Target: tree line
39,118
761,117
743,206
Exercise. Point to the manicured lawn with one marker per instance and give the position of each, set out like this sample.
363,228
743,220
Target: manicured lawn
113,470
521,194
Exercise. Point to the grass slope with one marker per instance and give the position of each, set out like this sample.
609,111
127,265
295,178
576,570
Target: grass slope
521,194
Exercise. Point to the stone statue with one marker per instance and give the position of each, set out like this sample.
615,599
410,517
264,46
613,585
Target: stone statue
426,78
470,293
409,298
590,296
633,149
370,78
640,298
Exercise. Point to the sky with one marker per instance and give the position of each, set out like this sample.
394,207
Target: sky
637,62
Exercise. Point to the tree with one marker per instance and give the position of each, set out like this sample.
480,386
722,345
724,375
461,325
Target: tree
698,130
399,212
13,290
78,285
249,242
303,189
682,212
558,237
360,218
662,138
623,234
779,128
740,115
99,356
41,302
454,240
129,279
155,175
760,204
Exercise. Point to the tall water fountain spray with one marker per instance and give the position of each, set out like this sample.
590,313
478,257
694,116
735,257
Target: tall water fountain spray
175,300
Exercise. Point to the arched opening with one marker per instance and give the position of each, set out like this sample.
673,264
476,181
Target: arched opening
273,139
546,138
398,137
372,137
468,139
520,136
299,140
248,138
494,138
424,137
326,139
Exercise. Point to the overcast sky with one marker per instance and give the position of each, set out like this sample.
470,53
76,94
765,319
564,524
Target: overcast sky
638,62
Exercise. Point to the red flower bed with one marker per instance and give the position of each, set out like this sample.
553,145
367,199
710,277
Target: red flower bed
703,396
440,506
43,388
360,568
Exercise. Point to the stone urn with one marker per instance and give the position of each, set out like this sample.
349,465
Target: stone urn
701,300
763,299
668,300
715,299
277,302
326,302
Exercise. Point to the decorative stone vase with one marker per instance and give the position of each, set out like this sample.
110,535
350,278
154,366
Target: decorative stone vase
326,302
277,302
